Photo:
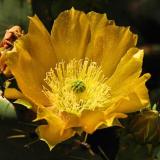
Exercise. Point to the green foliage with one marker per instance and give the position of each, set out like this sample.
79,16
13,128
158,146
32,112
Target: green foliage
73,149
140,139
13,13
131,150
7,110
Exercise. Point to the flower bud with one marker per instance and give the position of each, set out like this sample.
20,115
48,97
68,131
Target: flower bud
146,126
7,44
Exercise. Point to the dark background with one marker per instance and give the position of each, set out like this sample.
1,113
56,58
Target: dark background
144,18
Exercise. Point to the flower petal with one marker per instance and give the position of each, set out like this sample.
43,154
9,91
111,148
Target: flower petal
54,132
12,93
91,120
70,120
125,82
137,98
127,86
98,21
112,119
70,35
129,68
108,42
31,58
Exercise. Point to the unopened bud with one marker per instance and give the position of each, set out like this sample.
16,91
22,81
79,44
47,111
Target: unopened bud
7,44
146,126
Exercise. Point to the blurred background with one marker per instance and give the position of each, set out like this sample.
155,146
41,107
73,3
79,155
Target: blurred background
144,18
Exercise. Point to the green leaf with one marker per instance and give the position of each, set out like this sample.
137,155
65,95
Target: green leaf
7,110
154,107
156,153
8,17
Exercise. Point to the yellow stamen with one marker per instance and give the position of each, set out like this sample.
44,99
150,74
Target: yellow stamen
77,86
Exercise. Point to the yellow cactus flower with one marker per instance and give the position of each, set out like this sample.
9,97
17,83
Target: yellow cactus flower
82,77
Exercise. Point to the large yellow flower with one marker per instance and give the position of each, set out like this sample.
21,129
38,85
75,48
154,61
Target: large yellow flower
82,77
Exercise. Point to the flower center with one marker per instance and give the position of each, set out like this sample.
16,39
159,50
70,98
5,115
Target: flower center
77,86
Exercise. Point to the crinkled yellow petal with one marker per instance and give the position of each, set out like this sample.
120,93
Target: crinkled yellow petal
91,120
137,98
54,132
12,93
111,119
126,84
7,72
98,20
70,35
108,42
31,58
70,120
127,70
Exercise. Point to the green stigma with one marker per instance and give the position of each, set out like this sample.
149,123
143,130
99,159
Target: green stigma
78,86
